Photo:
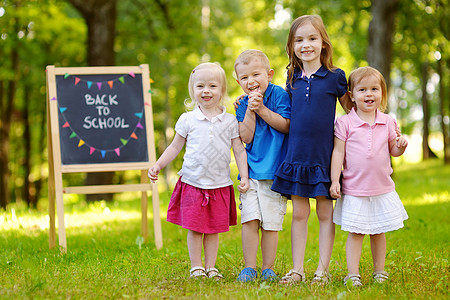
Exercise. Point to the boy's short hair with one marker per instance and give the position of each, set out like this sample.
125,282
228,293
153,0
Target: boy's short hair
247,56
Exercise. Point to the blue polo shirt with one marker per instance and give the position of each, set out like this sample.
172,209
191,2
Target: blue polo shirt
268,149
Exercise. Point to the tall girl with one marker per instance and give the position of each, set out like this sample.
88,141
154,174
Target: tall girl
203,199
364,141
314,84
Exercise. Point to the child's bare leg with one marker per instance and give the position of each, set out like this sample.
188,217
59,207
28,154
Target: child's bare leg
194,242
324,210
211,246
250,242
269,244
378,246
299,230
353,250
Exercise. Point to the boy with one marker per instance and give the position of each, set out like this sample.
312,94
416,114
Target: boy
263,116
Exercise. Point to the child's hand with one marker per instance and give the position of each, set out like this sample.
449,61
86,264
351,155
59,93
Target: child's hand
153,173
244,186
401,142
335,190
255,101
238,101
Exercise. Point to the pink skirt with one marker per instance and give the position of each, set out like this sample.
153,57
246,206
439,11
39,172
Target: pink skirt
202,210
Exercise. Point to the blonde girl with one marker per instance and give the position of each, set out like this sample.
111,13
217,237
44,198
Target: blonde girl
314,84
203,199
364,141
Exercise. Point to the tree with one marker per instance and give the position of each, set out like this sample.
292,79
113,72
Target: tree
381,30
100,17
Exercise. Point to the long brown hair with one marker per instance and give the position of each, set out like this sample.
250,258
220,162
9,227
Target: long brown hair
326,55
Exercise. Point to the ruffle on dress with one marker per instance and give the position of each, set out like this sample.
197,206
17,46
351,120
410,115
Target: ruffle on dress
370,215
303,174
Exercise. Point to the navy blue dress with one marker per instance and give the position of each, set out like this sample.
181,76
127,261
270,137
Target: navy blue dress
305,171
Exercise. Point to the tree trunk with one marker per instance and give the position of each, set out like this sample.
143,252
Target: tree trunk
100,16
27,140
381,29
426,150
5,125
445,131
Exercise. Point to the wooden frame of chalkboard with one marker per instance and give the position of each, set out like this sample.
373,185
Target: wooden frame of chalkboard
99,119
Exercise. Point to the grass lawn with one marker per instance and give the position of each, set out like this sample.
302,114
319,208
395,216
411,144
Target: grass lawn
106,259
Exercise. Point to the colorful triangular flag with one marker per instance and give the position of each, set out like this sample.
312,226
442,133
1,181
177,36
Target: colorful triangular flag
110,83
77,80
121,79
73,135
139,115
132,74
117,151
99,85
134,136
62,109
139,125
66,75
66,125
124,141
89,84
81,143
91,150
103,152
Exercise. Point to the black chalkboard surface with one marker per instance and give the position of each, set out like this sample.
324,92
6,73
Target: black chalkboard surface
101,118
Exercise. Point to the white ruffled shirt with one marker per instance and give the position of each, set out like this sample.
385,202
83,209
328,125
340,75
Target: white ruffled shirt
207,157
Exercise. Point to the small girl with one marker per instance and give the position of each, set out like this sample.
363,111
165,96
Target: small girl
364,140
314,84
203,198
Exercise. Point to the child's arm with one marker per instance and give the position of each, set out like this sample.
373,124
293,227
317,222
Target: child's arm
398,146
346,102
247,126
241,161
337,160
169,154
276,121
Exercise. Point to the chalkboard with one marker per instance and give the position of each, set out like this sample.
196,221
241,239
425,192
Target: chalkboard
101,118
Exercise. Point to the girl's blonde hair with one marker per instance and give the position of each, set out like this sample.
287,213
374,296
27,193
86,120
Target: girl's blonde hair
357,75
326,55
216,71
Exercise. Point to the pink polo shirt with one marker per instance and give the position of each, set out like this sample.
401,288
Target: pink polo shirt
367,166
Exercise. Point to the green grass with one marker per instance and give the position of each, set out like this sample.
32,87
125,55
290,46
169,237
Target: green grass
106,260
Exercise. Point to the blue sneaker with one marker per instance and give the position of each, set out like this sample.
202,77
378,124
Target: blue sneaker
268,275
248,274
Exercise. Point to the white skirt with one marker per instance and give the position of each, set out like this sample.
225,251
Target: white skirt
370,215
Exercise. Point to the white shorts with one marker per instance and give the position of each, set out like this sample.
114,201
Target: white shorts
263,204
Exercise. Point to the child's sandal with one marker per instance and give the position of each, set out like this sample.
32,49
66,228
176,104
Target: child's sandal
292,277
380,276
321,278
352,280
213,273
197,272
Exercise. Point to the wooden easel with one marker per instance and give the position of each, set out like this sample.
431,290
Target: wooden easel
57,169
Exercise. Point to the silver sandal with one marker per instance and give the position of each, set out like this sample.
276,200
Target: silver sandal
290,277
352,280
380,276
213,273
321,278
197,272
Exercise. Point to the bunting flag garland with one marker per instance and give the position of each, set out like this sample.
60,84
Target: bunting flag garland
92,149
99,84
